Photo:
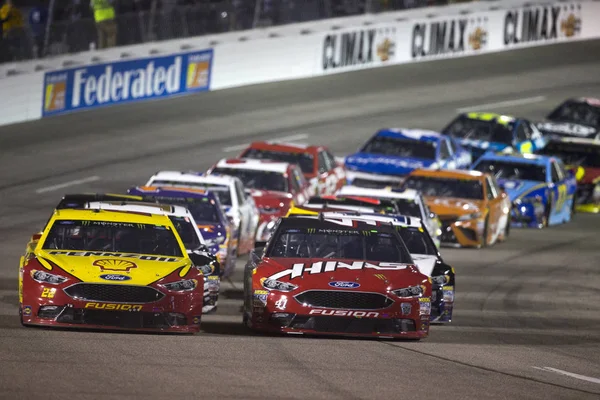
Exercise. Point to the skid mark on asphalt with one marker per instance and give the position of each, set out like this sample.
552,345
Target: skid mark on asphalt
481,368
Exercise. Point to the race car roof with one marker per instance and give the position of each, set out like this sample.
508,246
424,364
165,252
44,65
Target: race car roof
399,220
283,147
189,179
345,223
171,191
112,216
349,190
532,159
358,201
140,207
315,209
487,116
255,165
592,101
576,140
79,200
411,134
448,173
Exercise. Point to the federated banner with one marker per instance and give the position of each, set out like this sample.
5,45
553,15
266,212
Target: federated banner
126,81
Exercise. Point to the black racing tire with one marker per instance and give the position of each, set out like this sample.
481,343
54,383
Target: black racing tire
547,211
486,227
573,205
507,228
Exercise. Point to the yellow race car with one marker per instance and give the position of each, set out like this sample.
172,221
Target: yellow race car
110,269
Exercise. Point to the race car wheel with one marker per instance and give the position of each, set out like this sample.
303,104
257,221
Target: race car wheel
507,228
573,208
21,316
547,211
486,228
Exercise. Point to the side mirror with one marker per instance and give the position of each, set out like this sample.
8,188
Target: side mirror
432,215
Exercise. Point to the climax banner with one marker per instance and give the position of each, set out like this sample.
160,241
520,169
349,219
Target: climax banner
360,48
126,81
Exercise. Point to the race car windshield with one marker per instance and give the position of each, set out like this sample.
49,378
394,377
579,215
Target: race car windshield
220,190
408,207
417,240
513,170
446,187
304,160
110,236
253,179
398,147
485,131
573,154
578,113
186,232
368,245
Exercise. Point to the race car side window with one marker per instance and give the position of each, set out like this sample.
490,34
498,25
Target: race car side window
527,129
296,183
489,190
331,159
444,152
555,174
521,135
451,147
323,165
495,186
239,190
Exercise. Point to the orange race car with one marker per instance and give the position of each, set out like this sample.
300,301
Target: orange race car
474,210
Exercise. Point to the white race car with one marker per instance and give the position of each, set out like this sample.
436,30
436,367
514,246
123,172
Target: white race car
191,236
409,201
238,205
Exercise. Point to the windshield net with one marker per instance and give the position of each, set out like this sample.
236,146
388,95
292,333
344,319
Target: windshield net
186,232
446,187
573,154
417,241
110,236
220,190
304,160
261,180
475,129
368,245
513,170
408,207
398,147
579,113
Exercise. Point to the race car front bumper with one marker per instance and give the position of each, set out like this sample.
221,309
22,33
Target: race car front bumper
276,313
527,213
462,233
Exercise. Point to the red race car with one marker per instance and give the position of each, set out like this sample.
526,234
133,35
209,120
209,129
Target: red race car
336,276
319,166
274,186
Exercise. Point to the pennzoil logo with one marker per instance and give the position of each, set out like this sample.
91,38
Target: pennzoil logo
571,25
115,265
478,38
114,307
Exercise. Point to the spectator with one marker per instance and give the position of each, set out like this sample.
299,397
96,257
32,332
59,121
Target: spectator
13,32
38,18
104,15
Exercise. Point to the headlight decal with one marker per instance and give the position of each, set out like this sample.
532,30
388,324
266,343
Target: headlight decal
181,286
411,291
45,277
273,284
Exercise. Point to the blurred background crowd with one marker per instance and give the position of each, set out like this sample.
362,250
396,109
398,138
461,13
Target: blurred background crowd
40,28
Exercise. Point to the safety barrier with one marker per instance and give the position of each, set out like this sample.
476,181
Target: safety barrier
138,73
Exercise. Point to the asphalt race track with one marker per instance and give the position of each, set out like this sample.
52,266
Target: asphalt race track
526,311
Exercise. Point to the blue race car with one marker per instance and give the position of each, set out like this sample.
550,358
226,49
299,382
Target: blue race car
540,189
206,210
391,154
482,132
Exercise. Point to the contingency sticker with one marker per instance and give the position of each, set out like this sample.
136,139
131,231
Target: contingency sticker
424,306
448,292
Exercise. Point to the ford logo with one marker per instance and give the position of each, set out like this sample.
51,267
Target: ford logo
344,285
114,277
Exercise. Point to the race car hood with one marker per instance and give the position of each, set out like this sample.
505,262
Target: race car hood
113,268
386,165
558,128
451,206
321,273
517,189
425,263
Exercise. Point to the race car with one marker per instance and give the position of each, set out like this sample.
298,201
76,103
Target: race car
238,205
409,202
474,210
482,132
576,117
110,270
540,189
274,186
190,235
426,256
391,154
583,157
332,276
320,168
208,213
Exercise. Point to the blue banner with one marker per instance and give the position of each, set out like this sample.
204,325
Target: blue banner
126,81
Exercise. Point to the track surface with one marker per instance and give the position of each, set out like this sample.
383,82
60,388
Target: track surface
530,302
